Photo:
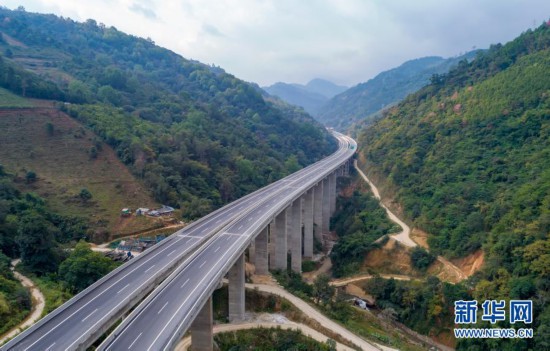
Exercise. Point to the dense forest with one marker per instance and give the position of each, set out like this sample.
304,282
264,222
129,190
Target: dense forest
468,157
197,136
359,221
362,103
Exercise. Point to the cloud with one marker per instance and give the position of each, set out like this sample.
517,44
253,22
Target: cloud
346,41
211,30
145,11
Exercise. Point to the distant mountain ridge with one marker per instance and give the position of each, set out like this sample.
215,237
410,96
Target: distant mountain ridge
310,96
364,100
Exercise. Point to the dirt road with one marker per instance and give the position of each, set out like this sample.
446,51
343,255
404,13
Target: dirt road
38,304
319,317
404,235
346,281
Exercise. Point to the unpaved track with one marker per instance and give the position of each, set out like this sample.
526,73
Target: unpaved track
222,328
319,317
38,304
346,281
404,236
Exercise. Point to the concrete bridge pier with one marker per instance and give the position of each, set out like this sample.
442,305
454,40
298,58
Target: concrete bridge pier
332,192
252,252
280,251
326,206
308,211
236,290
261,252
318,211
295,235
202,335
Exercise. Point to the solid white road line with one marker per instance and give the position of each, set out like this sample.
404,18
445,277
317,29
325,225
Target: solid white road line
182,285
94,311
133,342
125,286
162,307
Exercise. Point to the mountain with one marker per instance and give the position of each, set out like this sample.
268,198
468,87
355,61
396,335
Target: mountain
363,101
196,136
468,158
310,96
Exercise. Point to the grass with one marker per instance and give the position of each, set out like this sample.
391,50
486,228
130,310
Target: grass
369,326
10,100
54,293
57,148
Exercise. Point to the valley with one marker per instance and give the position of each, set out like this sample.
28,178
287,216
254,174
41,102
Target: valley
405,203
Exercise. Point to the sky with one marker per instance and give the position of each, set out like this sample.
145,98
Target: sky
344,41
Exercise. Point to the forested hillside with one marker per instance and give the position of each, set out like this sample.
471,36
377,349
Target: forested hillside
469,159
361,103
197,136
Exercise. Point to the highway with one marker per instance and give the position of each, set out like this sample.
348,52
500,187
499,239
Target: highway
81,320
161,320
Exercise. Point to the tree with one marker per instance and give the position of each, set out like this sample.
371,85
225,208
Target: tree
36,243
85,194
83,267
30,177
50,128
421,259
322,290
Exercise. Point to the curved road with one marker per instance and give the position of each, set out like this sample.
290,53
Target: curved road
78,322
38,304
159,322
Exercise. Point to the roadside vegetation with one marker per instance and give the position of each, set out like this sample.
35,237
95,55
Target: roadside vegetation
359,221
467,157
15,300
269,339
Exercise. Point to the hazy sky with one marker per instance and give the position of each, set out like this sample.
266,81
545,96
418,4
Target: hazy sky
346,41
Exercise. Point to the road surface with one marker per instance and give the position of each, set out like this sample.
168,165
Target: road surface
161,320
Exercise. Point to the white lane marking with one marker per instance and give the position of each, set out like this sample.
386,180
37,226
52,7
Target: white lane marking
182,285
50,347
181,236
133,342
218,221
240,227
148,269
171,252
125,286
217,249
250,218
114,308
236,242
104,291
202,264
88,316
162,307
191,294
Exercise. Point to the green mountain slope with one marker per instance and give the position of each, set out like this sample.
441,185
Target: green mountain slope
197,136
469,159
362,102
